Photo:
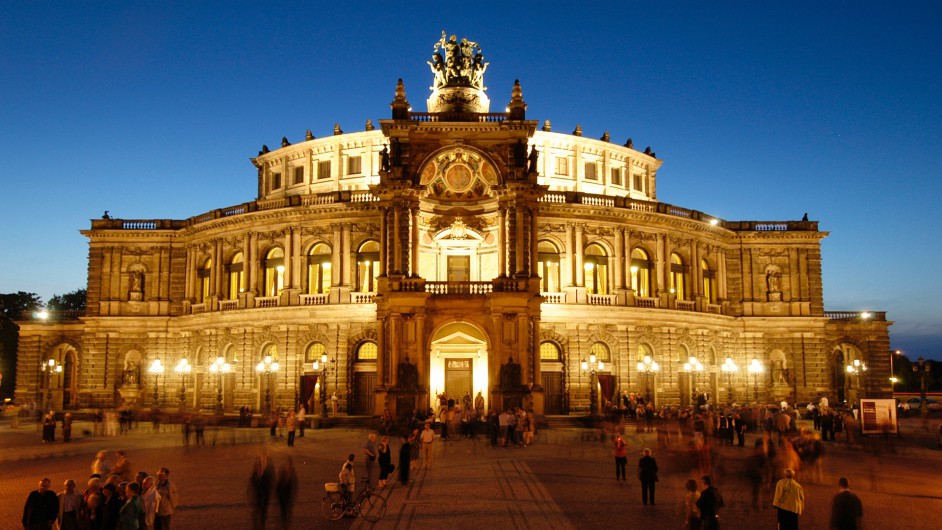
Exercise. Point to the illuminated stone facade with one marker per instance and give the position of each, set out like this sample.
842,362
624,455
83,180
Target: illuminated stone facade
452,251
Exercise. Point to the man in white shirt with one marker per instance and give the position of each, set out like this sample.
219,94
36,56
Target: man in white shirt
427,437
151,498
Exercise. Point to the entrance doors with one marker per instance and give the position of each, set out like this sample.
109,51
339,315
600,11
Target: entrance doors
458,378
553,392
363,385
459,269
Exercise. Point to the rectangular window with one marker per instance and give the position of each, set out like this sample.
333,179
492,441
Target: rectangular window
590,171
299,175
562,165
275,181
323,169
638,183
616,176
354,165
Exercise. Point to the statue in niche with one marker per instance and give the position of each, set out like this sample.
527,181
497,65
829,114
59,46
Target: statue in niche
384,159
773,280
510,375
408,375
136,277
534,156
779,372
131,374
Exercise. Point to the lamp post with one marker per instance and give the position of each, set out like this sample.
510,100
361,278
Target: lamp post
729,368
648,367
156,368
693,367
219,367
755,368
48,368
266,367
857,369
321,366
922,368
590,367
183,368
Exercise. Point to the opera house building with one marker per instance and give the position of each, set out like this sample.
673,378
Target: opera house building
454,251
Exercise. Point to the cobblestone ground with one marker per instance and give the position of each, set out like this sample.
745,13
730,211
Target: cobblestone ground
565,480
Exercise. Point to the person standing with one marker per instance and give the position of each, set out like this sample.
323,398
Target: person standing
100,465
789,500
302,415
168,500
369,451
691,512
621,457
647,473
67,427
122,467
427,437
385,461
846,508
130,515
286,489
292,425
150,498
405,458
347,477
709,504
70,504
49,427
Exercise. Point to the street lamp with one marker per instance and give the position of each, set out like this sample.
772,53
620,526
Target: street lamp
266,367
648,367
157,368
729,368
592,367
219,367
857,369
183,368
321,366
48,368
755,368
922,368
693,367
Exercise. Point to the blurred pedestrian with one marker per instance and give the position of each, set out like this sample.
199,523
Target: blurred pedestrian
49,427
369,451
291,425
302,416
691,512
414,445
122,467
405,459
621,457
789,500
384,460
709,504
151,498
100,465
70,505
260,486
286,489
647,473
67,427
846,508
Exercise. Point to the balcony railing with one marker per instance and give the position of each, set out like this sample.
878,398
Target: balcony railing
361,298
267,301
463,288
600,299
879,316
554,298
686,305
314,299
228,305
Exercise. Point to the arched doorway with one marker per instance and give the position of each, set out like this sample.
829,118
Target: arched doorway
458,363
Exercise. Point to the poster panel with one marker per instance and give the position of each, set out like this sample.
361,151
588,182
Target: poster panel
878,416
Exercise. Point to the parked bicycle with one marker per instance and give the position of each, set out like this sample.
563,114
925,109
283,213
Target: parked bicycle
366,503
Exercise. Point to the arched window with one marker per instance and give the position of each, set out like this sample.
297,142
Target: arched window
549,351
270,350
313,352
640,273
230,355
366,351
203,275
601,352
235,272
367,266
549,267
69,379
678,277
318,269
274,266
596,270
644,350
709,282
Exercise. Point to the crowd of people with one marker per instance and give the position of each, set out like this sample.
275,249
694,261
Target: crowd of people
113,499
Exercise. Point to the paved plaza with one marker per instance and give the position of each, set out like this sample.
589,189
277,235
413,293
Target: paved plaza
566,480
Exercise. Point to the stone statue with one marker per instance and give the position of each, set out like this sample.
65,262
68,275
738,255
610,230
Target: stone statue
534,156
408,375
437,64
384,159
773,280
136,277
462,65
131,374
105,215
510,375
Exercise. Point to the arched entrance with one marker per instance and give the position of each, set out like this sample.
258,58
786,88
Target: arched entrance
458,363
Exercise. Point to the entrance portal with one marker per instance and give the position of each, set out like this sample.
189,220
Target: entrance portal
458,363
458,380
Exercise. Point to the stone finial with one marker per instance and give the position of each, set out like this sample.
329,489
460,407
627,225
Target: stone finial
400,105
369,125
578,131
649,152
630,144
606,137
284,141
546,126
517,108
308,136
264,150
337,129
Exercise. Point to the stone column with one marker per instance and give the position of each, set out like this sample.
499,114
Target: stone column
534,243
345,255
395,326
383,242
580,270
289,258
570,259
502,243
247,262
336,244
619,258
414,268
381,353
512,240
397,240
190,274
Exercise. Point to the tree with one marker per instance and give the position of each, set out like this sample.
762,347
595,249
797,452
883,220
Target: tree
73,301
12,307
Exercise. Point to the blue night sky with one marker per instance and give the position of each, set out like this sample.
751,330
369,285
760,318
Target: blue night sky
759,111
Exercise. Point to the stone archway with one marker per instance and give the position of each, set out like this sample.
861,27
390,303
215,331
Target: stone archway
458,363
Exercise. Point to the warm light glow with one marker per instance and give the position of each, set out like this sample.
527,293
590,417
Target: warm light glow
755,367
183,367
584,366
729,366
324,358
714,222
865,315
43,315
316,367
156,367
592,358
601,365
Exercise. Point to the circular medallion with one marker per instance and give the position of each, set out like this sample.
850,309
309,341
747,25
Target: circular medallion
458,177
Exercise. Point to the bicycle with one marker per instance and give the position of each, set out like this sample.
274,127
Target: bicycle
367,503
